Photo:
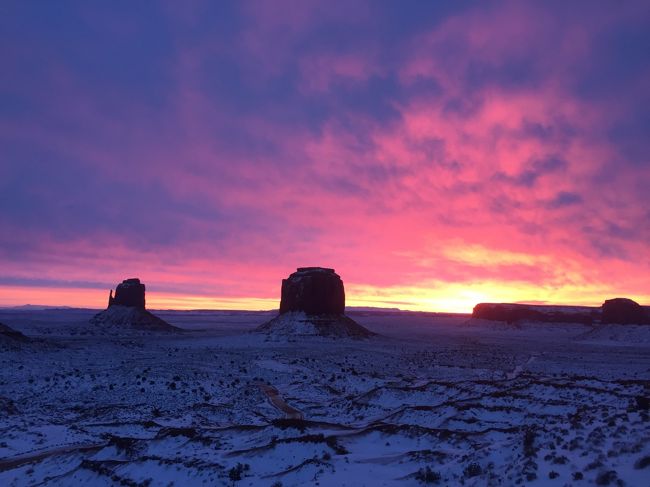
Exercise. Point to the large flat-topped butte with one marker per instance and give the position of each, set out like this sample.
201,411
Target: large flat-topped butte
312,302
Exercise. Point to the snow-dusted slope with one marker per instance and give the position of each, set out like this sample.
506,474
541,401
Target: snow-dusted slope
120,318
431,398
295,325
10,338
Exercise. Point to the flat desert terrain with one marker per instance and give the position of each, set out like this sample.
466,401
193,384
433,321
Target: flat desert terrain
432,399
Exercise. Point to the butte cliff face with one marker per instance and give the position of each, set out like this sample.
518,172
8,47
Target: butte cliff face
312,302
126,310
618,310
130,292
624,311
313,290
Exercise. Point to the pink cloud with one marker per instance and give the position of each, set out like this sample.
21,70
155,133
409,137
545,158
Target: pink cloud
475,183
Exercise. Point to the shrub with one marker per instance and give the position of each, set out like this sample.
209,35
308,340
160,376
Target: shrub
594,464
284,423
642,403
472,470
606,478
561,460
428,476
235,473
529,442
642,462
530,470
123,444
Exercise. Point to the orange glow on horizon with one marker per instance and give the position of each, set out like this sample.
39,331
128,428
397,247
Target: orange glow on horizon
437,297
98,298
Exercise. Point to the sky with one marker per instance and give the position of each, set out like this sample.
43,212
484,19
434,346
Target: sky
436,154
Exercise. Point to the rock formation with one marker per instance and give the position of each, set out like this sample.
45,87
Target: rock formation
8,333
623,311
11,339
618,310
129,292
514,313
126,310
313,290
313,303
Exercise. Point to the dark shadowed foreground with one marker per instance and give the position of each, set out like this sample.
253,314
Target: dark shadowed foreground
431,399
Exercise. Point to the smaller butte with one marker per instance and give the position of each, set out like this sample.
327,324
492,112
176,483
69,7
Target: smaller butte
126,310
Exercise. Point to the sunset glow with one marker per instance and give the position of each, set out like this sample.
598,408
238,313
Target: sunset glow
436,155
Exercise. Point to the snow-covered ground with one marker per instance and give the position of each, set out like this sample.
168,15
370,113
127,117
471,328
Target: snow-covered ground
432,399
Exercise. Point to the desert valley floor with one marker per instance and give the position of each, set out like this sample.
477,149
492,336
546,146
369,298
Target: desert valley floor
431,399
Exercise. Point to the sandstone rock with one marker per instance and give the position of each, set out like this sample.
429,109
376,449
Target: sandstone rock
312,303
8,333
127,310
623,311
314,291
514,313
129,292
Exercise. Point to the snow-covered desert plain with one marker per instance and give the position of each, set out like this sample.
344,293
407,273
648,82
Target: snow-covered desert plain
430,399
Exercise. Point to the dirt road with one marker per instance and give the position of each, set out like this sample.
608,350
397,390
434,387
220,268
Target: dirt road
279,403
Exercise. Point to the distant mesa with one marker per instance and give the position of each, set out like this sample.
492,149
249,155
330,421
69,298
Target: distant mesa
618,310
312,302
514,313
126,310
624,311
